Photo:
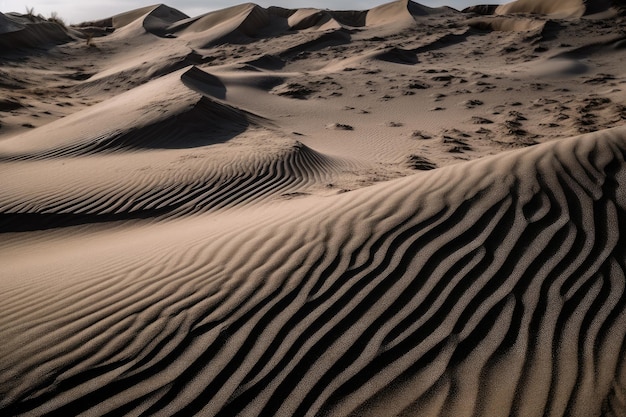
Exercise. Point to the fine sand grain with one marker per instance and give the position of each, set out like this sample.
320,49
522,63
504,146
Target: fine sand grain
402,211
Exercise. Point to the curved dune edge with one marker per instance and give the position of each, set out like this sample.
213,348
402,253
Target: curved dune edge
189,95
312,19
245,21
167,15
43,195
400,10
237,24
220,26
494,287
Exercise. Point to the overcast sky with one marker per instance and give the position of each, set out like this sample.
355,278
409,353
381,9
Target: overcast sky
73,11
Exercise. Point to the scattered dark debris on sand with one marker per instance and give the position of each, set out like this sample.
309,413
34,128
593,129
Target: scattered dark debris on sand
470,104
339,126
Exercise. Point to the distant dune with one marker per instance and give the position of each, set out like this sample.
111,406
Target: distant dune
401,211
559,8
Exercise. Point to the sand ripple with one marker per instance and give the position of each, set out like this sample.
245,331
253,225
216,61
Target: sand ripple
492,288
303,212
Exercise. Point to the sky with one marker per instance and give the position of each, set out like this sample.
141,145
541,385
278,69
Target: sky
73,11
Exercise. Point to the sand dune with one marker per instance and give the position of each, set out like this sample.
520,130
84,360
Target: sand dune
228,25
8,25
378,301
49,195
312,19
401,211
397,11
507,24
19,32
560,8
163,113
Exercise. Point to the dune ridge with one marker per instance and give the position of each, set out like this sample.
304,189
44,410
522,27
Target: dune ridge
403,9
279,171
183,117
240,23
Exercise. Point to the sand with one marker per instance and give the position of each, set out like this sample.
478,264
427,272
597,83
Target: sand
402,211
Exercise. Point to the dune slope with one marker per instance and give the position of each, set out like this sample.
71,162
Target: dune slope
396,299
18,31
401,211
560,8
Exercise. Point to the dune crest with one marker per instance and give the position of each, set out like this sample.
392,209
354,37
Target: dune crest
223,25
176,114
400,10
166,14
312,19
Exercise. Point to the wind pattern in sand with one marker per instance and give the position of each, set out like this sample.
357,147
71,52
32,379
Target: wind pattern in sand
179,249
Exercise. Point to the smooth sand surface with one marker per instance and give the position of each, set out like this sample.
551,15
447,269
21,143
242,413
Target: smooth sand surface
402,211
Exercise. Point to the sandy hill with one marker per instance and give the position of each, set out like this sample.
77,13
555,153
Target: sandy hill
22,31
559,8
400,211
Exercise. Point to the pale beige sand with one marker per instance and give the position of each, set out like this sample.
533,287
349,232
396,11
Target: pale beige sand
404,211
559,8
